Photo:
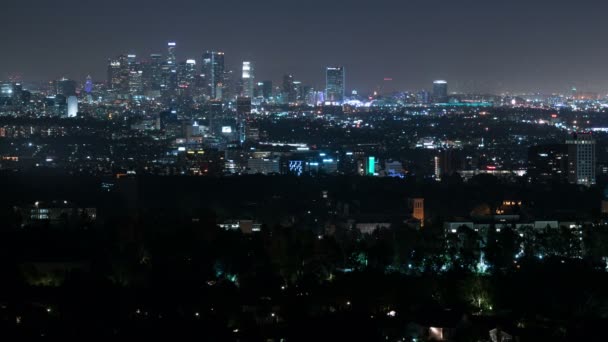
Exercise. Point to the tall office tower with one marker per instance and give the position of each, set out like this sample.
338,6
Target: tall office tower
186,74
72,106
300,90
243,114
131,60
136,82
334,85
581,159
548,163
265,89
11,93
289,90
422,97
171,59
88,85
118,74
65,87
6,90
153,74
247,79
213,71
229,89
169,71
446,163
440,91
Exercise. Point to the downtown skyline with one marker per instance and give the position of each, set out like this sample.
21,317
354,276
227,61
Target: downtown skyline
477,47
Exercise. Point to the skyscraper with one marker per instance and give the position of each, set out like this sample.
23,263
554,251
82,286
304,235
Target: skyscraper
118,74
265,89
289,90
153,75
247,80
65,87
440,91
136,82
548,162
169,71
171,59
186,74
88,85
213,71
581,159
334,85
243,113
72,106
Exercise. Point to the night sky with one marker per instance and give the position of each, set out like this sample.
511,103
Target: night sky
487,46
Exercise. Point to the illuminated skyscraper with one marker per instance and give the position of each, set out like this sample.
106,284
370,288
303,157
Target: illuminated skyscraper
72,106
118,74
213,71
440,91
247,79
6,90
136,82
334,85
243,113
171,59
169,71
186,74
88,85
581,159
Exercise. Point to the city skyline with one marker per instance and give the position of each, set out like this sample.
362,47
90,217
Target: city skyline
515,47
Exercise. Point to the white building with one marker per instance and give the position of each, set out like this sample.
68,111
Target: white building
72,106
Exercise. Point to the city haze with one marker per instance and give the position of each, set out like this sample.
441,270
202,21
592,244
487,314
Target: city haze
479,46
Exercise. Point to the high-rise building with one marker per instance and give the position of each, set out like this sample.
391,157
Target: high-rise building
118,74
88,85
447,162
153,75
300,90
334,85
440,91
289,89
136,81
65,87
171,58
581,159
6,90
548,162
265,90
169,84
186,74
72,106
213,73
247,79
422,97
243,113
